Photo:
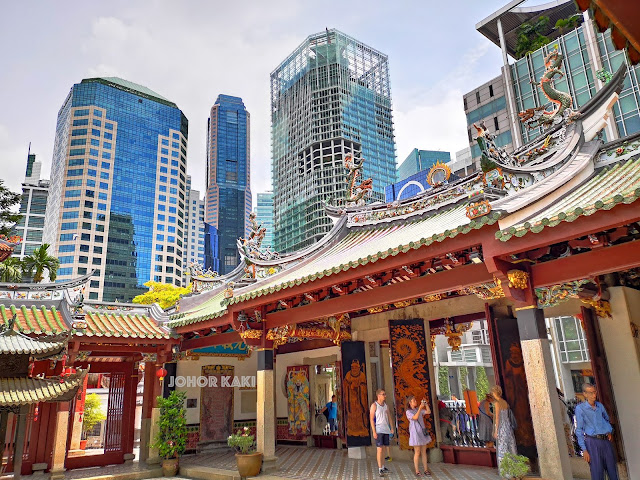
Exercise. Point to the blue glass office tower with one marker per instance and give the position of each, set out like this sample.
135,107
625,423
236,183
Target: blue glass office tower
329,98
118,184
228,197
419,160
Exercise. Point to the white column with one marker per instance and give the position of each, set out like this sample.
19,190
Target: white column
623,357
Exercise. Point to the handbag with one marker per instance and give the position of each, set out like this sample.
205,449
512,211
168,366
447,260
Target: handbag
425,432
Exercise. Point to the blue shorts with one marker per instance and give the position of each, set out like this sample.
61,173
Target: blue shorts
333,424
382,440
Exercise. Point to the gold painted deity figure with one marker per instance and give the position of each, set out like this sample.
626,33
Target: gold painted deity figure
355,390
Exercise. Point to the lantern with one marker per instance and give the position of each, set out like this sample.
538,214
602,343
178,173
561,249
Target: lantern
161,373
68,371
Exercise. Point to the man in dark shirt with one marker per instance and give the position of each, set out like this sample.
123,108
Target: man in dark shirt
594,435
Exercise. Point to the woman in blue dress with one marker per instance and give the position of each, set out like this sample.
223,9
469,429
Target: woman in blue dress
417,439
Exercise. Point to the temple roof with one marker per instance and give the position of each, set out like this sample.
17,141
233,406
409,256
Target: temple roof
564,173
14,343
47,319
612,185
27,391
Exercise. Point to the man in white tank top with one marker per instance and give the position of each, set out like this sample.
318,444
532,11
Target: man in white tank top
382,425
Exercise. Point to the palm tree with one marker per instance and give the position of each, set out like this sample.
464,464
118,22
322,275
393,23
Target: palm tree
11,270
38,262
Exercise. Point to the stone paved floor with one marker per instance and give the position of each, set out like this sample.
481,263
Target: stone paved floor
323,464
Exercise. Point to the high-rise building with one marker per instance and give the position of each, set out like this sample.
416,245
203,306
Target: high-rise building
586,53
118,188
264,216
419,160
228,196
33,204
194,232
330,97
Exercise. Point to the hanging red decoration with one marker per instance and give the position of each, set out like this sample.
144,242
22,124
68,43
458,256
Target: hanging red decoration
68,371
161,373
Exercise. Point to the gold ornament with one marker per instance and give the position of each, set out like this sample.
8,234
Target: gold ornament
433,298
602,307
251,333
518,279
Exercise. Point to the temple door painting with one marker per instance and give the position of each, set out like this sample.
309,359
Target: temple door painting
216,404
354,394
298,399
410,372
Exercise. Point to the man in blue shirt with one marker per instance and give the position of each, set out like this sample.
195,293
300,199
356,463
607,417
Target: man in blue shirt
332,415
594,435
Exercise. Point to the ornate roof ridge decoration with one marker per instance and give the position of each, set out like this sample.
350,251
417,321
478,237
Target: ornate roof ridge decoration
612,185
74,282
561,101
7,244
356,193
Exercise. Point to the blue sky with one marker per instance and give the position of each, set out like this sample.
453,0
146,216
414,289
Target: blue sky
189,52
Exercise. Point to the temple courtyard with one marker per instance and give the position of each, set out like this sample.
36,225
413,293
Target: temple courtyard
293,462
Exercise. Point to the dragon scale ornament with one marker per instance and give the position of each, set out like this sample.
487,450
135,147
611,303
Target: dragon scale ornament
561,101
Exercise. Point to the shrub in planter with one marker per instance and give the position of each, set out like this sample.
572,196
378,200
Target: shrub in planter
93,414
248,460
514,466
171,439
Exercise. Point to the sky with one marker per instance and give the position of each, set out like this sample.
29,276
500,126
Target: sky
192,51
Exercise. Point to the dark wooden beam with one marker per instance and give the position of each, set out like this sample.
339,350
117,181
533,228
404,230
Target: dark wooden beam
589,264
429,284
210,341
304,346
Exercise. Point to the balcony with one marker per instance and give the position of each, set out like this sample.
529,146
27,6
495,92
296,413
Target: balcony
470,354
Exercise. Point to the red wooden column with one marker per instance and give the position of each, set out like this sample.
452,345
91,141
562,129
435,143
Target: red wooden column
129,412
149,412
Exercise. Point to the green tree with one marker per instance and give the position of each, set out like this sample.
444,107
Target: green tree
165,294
464,377
443,380
566,24
531,36
482,383
93,412
11,270
39,261
8,218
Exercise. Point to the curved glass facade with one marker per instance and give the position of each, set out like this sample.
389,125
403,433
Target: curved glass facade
122,160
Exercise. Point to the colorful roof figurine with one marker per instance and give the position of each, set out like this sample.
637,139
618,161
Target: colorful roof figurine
564,173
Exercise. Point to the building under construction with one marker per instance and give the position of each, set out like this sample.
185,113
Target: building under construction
330,97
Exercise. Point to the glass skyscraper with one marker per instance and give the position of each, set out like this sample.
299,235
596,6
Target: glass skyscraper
330,97
419,160
264,216
118,188
228,196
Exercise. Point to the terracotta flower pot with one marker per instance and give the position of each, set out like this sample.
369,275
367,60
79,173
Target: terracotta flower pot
249,464
169,467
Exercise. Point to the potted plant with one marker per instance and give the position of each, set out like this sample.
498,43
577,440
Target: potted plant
171,439
248,460
93,414
514,466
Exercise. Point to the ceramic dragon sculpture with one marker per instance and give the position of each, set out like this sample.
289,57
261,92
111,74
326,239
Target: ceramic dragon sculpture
561,101
356,193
